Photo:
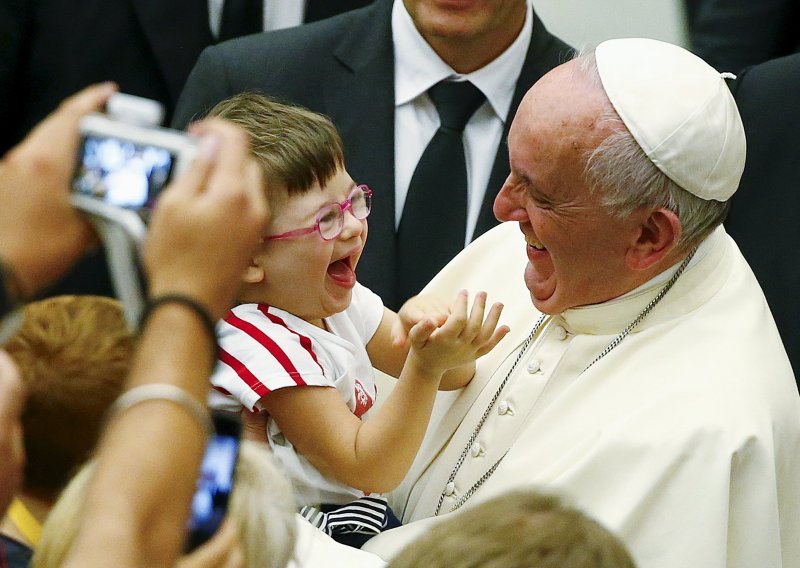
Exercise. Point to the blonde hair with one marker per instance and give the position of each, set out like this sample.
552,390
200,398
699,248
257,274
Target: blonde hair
261,503
520,529
74,353
294,146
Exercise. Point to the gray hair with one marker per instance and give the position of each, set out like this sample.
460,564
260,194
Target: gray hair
628,180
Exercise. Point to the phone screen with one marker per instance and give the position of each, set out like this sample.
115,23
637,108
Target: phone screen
215,482
122,172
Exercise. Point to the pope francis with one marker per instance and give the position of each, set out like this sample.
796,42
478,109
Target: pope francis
644,378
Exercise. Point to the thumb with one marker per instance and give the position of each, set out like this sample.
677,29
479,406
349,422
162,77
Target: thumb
399,335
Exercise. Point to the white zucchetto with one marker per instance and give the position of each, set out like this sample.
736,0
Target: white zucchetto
679,110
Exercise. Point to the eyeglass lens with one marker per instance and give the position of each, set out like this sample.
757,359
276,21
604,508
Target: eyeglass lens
331,218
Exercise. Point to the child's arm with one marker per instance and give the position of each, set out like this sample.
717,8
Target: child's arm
375,455
389,345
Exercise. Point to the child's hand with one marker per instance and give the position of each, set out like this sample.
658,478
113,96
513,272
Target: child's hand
414,311
460,340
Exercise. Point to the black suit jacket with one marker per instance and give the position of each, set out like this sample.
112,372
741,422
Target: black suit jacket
765,210
53,48
733,34
344,68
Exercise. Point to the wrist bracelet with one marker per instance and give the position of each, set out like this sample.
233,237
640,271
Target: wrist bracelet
162,392
208,323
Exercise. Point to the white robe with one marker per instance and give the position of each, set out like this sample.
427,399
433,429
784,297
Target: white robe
684,440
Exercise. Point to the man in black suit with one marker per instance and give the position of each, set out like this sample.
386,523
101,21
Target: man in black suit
53,48
345,67
765,211
733,34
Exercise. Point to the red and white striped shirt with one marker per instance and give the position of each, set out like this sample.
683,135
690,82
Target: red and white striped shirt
263,348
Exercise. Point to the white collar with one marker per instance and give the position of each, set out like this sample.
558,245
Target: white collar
703,277
662,278
417,67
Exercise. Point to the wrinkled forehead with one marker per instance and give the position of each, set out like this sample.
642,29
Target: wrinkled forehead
562,113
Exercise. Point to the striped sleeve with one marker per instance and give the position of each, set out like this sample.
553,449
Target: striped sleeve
260,353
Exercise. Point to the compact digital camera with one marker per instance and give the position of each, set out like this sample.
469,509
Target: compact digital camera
124,161
125,158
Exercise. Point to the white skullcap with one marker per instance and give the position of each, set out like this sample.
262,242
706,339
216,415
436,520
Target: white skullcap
679,110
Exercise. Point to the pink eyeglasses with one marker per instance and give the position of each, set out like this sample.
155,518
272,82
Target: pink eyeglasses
330,219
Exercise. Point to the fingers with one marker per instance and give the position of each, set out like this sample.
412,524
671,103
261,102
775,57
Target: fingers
12,450
421,332
224,549
493,340
457,319
61,126
254,425
195,178
12,392
399,334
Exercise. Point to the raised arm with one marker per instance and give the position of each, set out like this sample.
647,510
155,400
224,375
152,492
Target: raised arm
389,346
375,455
203,231
41,234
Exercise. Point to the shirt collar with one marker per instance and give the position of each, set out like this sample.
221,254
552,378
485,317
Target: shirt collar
418,67
702,278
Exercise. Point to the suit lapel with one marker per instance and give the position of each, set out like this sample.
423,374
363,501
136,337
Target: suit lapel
163,22
544,52
359,97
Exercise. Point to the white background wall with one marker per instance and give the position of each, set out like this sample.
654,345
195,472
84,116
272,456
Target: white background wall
588,22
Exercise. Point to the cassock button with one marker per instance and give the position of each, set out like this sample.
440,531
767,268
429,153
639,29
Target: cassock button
534,365
560,333
449,489
476,449
502,407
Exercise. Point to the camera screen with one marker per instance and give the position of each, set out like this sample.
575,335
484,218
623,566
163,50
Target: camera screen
121,172
214,485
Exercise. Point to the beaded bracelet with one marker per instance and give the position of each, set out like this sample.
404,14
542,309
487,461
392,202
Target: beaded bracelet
162,392
195,306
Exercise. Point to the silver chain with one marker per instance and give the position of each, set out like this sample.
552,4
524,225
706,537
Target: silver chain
477,430
647,309
616,341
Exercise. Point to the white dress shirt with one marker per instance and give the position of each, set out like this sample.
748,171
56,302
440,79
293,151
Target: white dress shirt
417,68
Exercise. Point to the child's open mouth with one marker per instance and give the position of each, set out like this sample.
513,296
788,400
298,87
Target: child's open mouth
341,271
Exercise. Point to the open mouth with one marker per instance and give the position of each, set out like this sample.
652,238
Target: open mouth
534,244
341,271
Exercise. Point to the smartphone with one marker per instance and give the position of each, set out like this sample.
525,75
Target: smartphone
215,482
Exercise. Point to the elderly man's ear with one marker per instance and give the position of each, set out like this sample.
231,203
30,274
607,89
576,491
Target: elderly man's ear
656,238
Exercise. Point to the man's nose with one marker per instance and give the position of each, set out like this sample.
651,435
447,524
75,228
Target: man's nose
509,203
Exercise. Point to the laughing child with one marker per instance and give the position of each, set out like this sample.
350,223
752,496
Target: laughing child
302,342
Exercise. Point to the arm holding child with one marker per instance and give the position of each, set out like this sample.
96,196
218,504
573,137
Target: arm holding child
375,455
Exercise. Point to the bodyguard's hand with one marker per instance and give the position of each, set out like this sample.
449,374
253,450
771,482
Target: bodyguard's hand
207,223
41,234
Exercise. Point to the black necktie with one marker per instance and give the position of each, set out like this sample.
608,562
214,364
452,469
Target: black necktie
434,220
241,17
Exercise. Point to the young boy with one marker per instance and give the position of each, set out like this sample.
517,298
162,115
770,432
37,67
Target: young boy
303,341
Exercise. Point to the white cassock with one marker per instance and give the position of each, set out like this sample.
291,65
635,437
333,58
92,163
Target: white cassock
684,440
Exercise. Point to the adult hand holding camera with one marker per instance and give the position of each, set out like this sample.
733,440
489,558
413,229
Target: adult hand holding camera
41,234
206,225
203,230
